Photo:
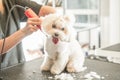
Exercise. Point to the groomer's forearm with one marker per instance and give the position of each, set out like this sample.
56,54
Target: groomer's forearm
12,41
45,10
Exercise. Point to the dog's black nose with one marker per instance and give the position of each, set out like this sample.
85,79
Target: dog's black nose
56,34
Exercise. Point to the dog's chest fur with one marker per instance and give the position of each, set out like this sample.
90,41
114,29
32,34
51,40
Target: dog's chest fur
53,49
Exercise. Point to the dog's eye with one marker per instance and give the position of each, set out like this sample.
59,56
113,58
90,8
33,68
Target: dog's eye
53,26
62,29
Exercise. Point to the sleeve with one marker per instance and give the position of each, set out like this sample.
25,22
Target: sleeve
31,4
1,33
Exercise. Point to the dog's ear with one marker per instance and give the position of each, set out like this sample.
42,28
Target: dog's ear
72,35
69,18
47,21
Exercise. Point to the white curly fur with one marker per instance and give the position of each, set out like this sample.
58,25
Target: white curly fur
67,52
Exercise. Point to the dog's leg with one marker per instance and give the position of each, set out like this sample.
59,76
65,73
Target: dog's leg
75,64
46,64
59,64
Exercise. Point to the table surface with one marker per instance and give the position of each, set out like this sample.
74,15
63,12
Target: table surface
31,71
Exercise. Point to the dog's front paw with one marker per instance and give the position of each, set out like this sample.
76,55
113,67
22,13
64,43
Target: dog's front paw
55,71
44,68
71,69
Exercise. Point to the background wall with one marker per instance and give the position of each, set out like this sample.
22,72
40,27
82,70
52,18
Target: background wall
104,12
114,21
110,22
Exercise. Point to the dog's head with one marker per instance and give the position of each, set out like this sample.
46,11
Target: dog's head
59,26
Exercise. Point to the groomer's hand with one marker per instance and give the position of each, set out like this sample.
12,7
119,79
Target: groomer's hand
31,25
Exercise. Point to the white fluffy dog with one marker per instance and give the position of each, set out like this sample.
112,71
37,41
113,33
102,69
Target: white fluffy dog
61,48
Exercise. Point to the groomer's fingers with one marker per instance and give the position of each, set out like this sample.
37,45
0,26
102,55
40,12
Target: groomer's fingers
34,21
29,29
34,27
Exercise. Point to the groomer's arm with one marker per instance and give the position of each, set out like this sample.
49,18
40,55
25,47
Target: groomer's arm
16,37
45,10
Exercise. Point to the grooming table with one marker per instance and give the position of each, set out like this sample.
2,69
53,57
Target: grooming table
31,71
